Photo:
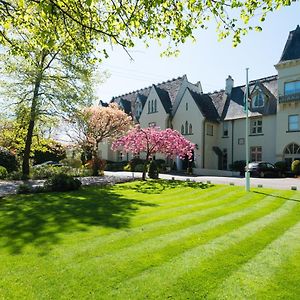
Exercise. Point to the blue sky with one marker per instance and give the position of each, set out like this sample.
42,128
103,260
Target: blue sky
207,60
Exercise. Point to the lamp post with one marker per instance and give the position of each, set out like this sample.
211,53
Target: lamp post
247,174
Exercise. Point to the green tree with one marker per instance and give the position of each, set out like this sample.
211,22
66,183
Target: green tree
46,82
120,22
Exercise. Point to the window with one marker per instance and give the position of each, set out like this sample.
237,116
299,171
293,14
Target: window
256,126
292,87
258,100
256,153
186,127
182,129
139,109
225,129
209,129
241,141
293,122
186,106
152,106
190,129
152,124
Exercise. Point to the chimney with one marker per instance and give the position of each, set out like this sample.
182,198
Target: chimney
229,85
199,87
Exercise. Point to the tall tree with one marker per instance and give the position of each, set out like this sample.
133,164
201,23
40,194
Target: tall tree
46,81
94,124
152,140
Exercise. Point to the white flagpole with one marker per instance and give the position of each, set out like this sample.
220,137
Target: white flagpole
247,174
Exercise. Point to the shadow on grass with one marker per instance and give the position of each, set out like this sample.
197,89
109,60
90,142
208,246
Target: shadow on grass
277,196
40,219
159,185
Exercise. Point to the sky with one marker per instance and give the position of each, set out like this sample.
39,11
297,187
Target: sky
208,60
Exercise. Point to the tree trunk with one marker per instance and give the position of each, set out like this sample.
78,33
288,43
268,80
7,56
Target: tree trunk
145,167
33,114
95,163
26,157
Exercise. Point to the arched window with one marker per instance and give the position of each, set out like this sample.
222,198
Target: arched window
258,100
186,127
155,105
291,152
292,149
182,129
191,129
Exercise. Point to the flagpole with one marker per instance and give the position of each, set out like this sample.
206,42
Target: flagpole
247,174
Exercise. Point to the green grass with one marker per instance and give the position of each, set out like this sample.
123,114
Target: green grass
151,240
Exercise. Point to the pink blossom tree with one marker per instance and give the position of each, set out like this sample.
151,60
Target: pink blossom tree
152,140
95,123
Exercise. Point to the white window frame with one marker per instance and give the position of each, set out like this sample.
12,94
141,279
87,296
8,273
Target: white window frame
255,100
293,125
256,126
256,153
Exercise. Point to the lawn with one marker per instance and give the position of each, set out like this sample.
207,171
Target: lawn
153,240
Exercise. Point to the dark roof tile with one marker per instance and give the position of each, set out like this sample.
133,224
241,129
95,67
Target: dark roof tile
292,47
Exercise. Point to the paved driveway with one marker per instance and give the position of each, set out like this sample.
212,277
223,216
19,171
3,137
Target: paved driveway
10,187
276,183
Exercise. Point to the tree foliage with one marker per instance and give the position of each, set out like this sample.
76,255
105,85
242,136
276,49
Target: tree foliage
95,123
152,140
122,22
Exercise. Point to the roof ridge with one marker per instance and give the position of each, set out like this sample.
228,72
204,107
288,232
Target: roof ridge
156,84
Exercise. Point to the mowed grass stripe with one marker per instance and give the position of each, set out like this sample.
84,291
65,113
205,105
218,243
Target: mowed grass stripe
257,273
183,209
191,260
164,248
107,243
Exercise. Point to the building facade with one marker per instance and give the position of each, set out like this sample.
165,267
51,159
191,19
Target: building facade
215,122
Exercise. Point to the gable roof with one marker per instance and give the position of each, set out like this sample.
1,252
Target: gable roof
234,107
205,104
164,98
171,87
292,47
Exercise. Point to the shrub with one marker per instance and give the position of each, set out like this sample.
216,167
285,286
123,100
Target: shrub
72,162
15,175
44,172
238,166
62,182
296,167
24,189
116,166
139,168
8,160
153,171
54,151
3,172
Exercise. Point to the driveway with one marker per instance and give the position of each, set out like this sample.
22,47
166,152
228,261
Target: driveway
276,183
10,187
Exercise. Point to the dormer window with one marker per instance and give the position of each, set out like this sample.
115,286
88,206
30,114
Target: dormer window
138,109
291,88
258,100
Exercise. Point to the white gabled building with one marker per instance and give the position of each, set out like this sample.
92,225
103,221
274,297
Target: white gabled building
215,122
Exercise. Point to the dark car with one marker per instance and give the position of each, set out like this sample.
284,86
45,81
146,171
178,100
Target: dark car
263,169
48,163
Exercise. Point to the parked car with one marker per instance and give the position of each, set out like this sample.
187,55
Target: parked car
48,163
263,169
